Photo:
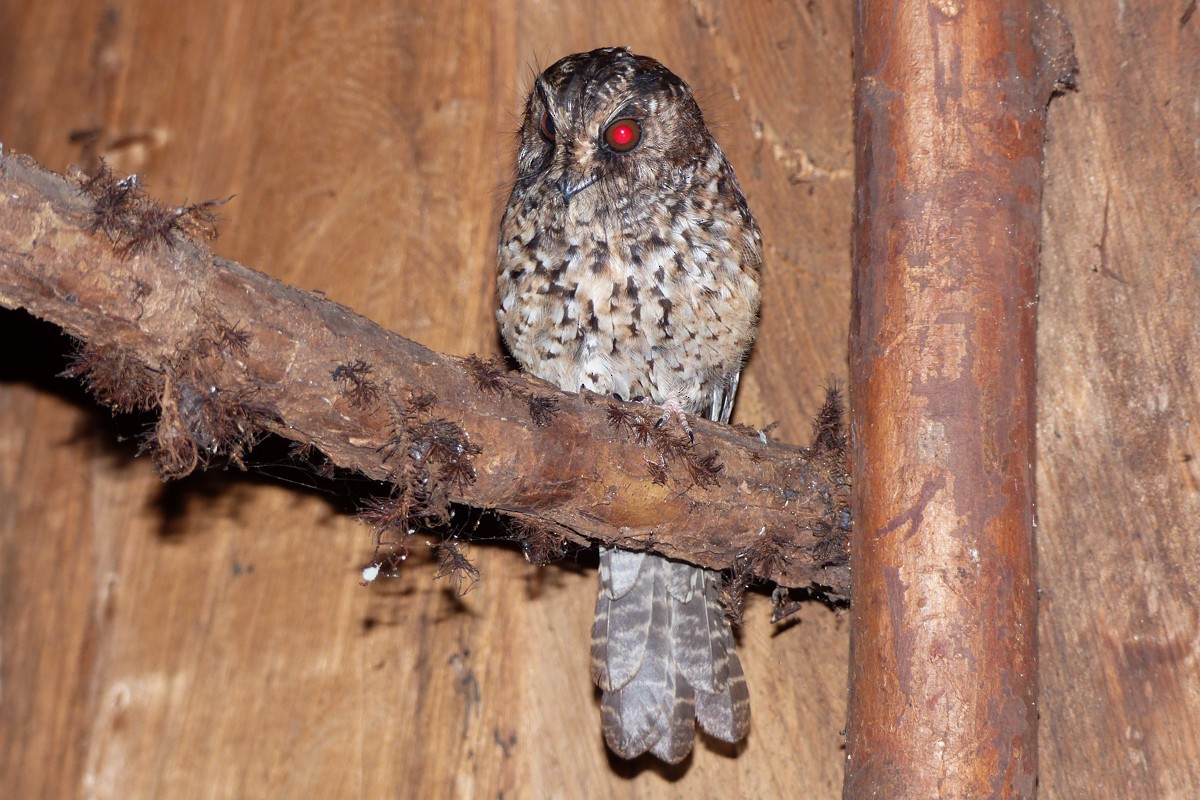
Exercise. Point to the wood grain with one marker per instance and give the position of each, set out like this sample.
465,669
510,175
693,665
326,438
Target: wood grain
1118,406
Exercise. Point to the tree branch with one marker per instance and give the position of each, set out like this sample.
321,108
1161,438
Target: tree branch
227,354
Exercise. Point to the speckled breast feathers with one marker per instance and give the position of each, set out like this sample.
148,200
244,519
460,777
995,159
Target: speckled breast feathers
629,272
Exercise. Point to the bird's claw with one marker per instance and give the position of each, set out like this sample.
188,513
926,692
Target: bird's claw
672,408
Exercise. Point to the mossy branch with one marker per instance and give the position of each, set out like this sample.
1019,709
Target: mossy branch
227,354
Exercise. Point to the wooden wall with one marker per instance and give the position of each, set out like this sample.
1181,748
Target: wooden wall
210,638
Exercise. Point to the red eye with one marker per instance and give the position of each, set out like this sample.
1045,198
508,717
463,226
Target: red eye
623,135
546,128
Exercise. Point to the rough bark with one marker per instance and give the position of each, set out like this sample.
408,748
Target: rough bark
227,354
950,115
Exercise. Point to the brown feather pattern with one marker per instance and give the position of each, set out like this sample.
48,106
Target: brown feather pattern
636,272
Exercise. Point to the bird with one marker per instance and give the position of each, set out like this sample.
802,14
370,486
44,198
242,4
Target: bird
629,264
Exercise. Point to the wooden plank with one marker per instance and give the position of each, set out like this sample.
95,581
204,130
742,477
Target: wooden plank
1119,400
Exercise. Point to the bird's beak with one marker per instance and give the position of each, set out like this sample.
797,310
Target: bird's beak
571,186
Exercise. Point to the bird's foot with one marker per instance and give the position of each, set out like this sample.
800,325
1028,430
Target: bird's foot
672,408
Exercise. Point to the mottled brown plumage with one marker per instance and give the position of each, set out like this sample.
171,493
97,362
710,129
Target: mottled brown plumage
629,263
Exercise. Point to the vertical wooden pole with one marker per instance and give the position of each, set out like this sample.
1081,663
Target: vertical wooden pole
950,114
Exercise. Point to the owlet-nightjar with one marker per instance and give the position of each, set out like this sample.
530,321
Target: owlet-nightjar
629,264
